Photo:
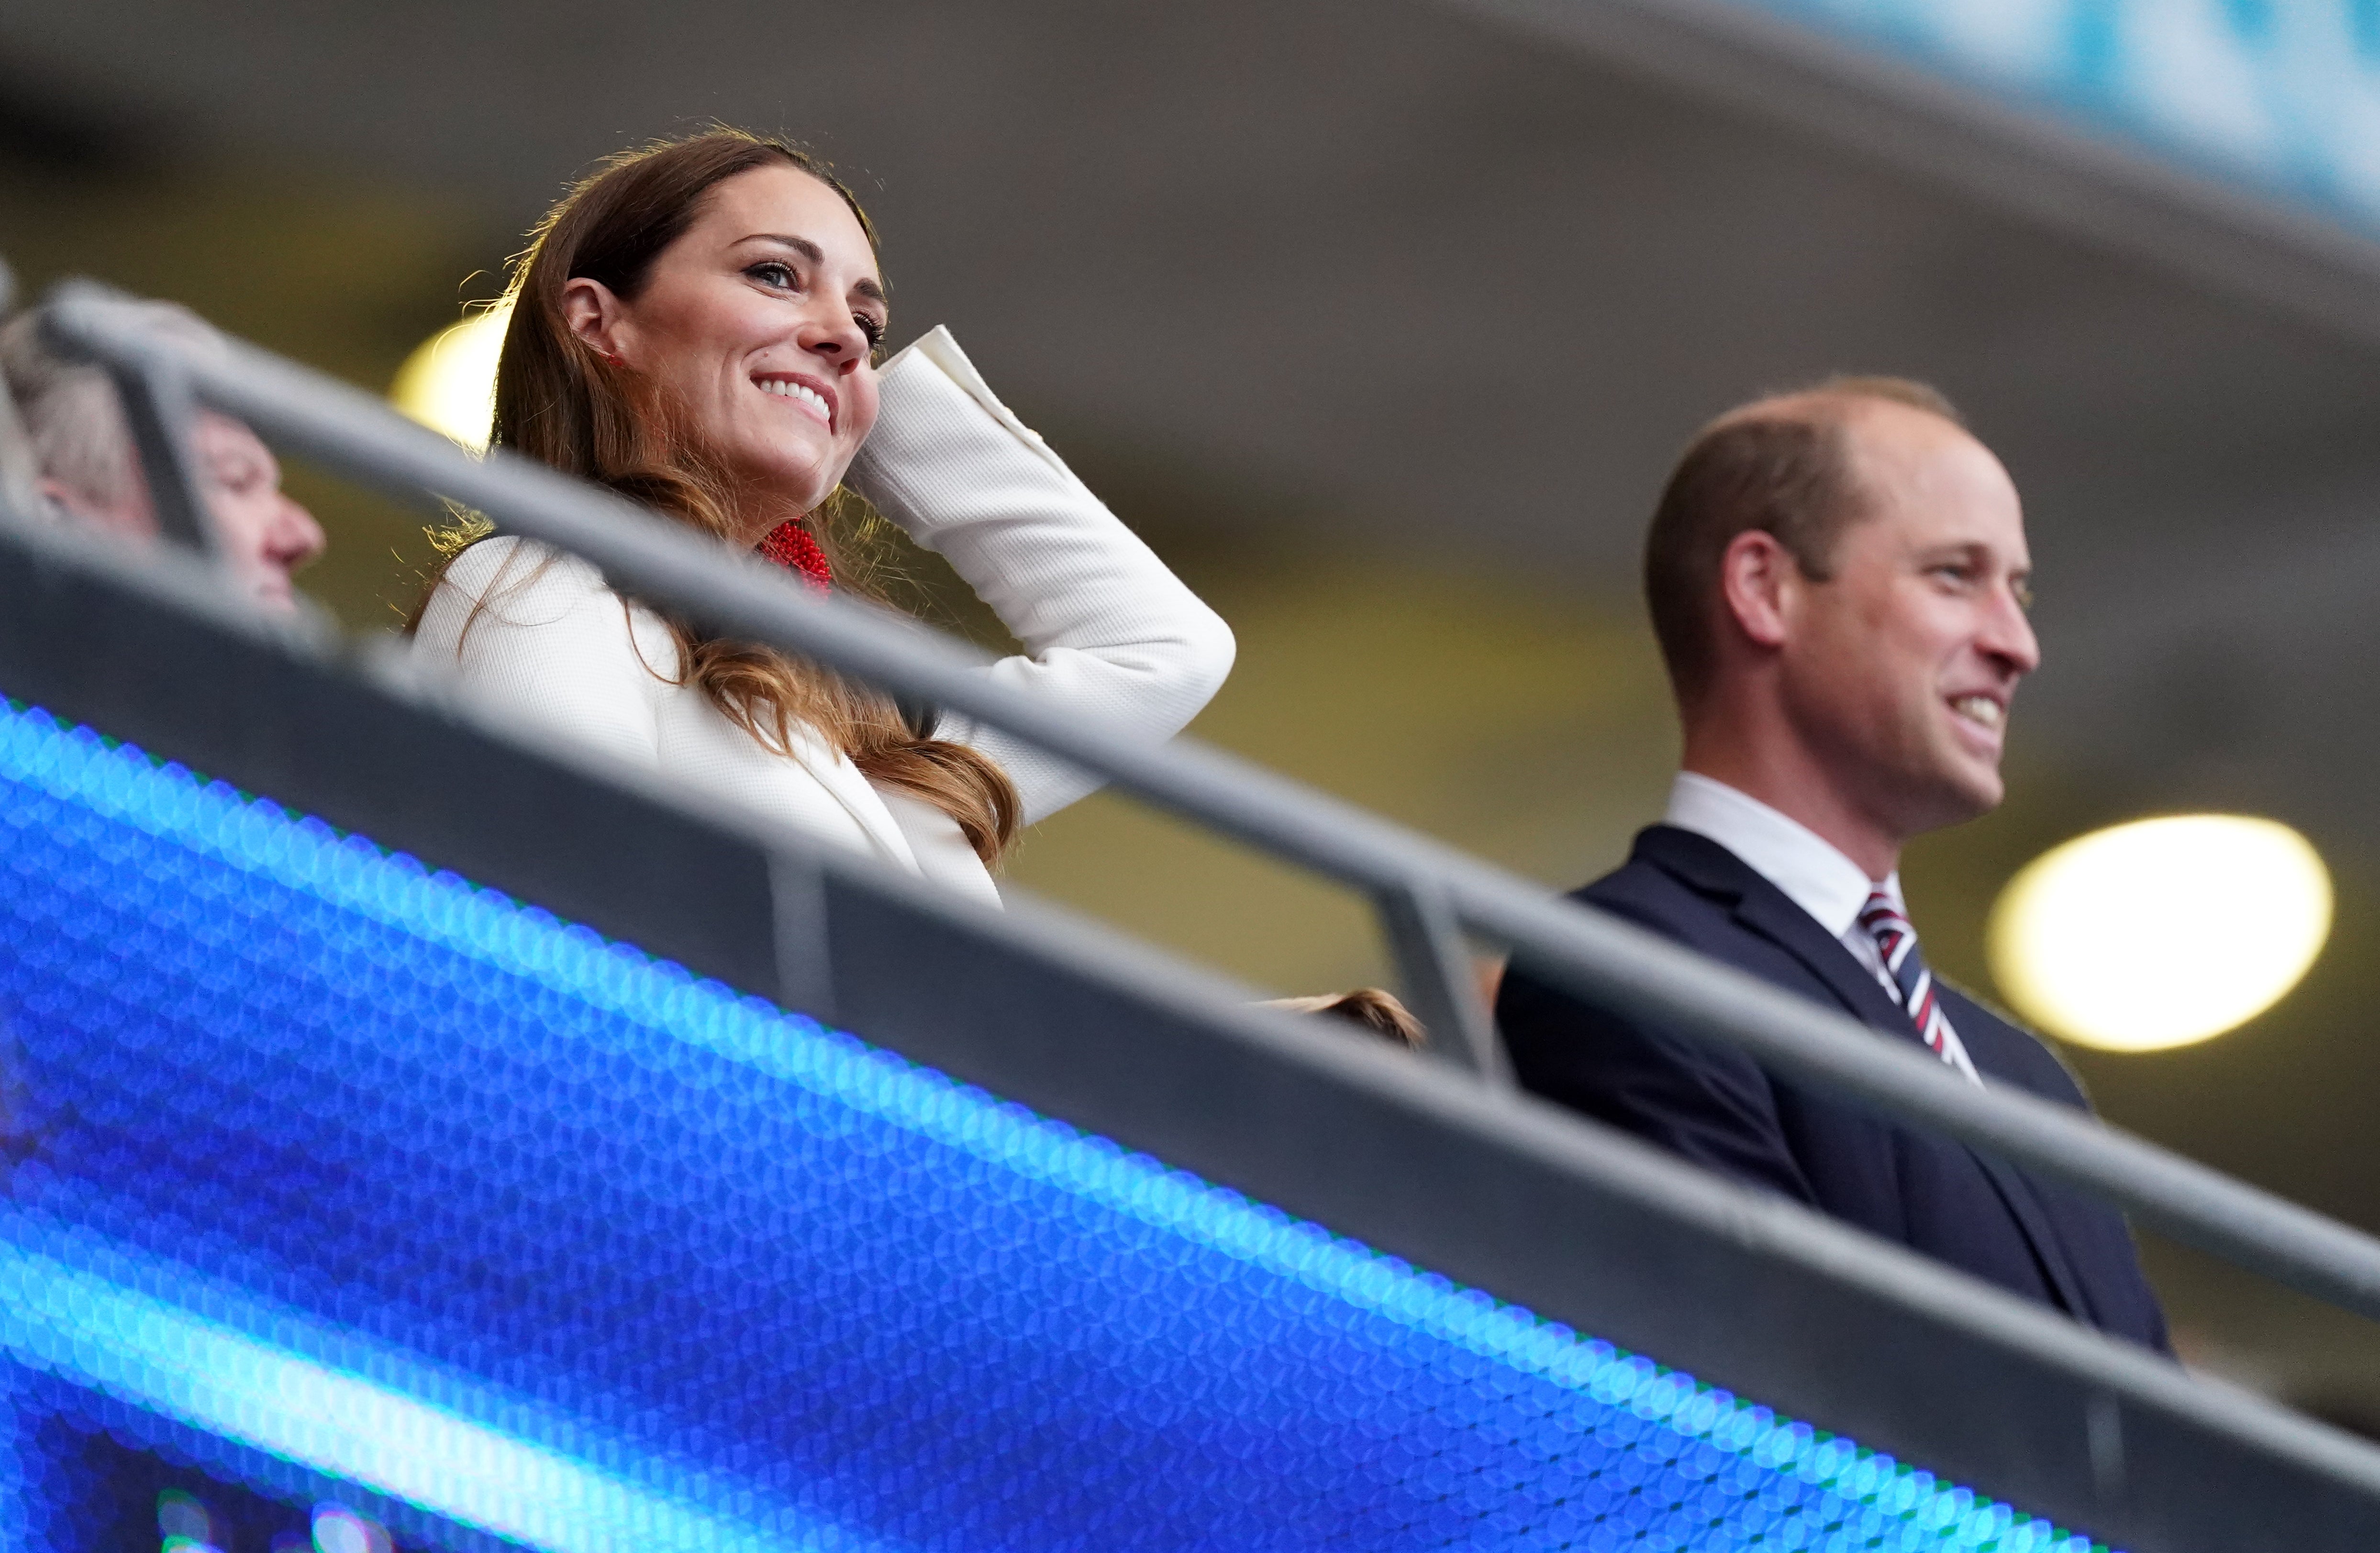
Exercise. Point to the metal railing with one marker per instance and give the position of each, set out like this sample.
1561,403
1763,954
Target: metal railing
1428,895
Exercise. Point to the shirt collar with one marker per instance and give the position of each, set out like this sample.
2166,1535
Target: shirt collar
1812,872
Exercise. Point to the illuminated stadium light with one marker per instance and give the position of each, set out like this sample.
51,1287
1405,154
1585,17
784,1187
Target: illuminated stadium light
449,383
2161,932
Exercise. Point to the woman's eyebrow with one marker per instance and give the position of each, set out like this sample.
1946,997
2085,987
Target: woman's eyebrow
811,251
802,246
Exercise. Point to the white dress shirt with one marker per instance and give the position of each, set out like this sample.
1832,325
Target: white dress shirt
1812,871
1802,864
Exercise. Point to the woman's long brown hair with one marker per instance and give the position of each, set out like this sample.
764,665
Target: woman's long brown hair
559,402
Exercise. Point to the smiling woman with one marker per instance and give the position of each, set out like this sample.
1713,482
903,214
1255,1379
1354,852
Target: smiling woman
700,326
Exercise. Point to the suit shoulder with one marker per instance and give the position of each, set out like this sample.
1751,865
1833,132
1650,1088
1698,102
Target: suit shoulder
1631,891
2007,1050
1649,894
1640,893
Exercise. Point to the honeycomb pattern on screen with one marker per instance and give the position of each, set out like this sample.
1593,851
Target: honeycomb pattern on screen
343,1174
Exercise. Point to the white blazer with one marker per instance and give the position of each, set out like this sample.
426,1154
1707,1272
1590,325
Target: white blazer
537,638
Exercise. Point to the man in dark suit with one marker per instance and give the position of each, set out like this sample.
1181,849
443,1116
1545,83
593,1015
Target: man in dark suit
1837,578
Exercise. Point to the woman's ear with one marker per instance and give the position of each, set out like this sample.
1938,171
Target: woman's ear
592,312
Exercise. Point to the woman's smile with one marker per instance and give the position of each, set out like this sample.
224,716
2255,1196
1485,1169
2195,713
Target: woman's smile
804,394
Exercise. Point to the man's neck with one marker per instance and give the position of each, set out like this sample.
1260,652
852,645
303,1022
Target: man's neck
1806,796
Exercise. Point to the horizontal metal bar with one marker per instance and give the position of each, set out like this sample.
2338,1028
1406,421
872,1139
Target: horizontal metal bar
1597,957
153,385
159,409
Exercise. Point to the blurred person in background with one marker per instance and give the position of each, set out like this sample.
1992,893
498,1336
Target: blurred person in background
700,326
88,471
1838,580
1367,1008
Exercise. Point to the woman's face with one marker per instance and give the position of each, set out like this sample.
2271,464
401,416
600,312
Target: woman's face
757,324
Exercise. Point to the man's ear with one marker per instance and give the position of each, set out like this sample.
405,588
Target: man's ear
57,501
592,312
1757,577
129,516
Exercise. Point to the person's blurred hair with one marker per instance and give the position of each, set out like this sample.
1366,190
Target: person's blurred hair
1369,1007
72,417
1781,465
560,402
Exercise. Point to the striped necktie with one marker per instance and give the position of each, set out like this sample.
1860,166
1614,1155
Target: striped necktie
1911,983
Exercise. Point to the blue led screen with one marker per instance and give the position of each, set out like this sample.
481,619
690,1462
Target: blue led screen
348,1187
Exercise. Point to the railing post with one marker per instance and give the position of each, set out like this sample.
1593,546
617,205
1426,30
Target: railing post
19,480
1434,967
162,412
804,958
161,409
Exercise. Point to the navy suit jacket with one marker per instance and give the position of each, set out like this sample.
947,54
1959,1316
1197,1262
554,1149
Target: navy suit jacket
1722,1110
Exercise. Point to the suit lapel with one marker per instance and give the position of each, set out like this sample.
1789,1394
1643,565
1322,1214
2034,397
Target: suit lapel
2024,1199
1767,911
2016,1190
1705,865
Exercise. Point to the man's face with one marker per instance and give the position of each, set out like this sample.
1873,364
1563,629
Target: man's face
263,535
1899,672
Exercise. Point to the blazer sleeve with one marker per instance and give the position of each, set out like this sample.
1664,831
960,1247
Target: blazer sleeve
1107,628
534,636
1713,1107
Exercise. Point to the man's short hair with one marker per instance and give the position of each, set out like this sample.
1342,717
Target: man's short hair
1781,465
72,417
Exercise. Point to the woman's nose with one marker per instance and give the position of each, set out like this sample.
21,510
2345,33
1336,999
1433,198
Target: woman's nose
837,337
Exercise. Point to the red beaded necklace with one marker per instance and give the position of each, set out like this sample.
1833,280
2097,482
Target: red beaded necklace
789,545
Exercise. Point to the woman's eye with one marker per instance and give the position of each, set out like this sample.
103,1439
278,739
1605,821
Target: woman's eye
871,327
772,273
